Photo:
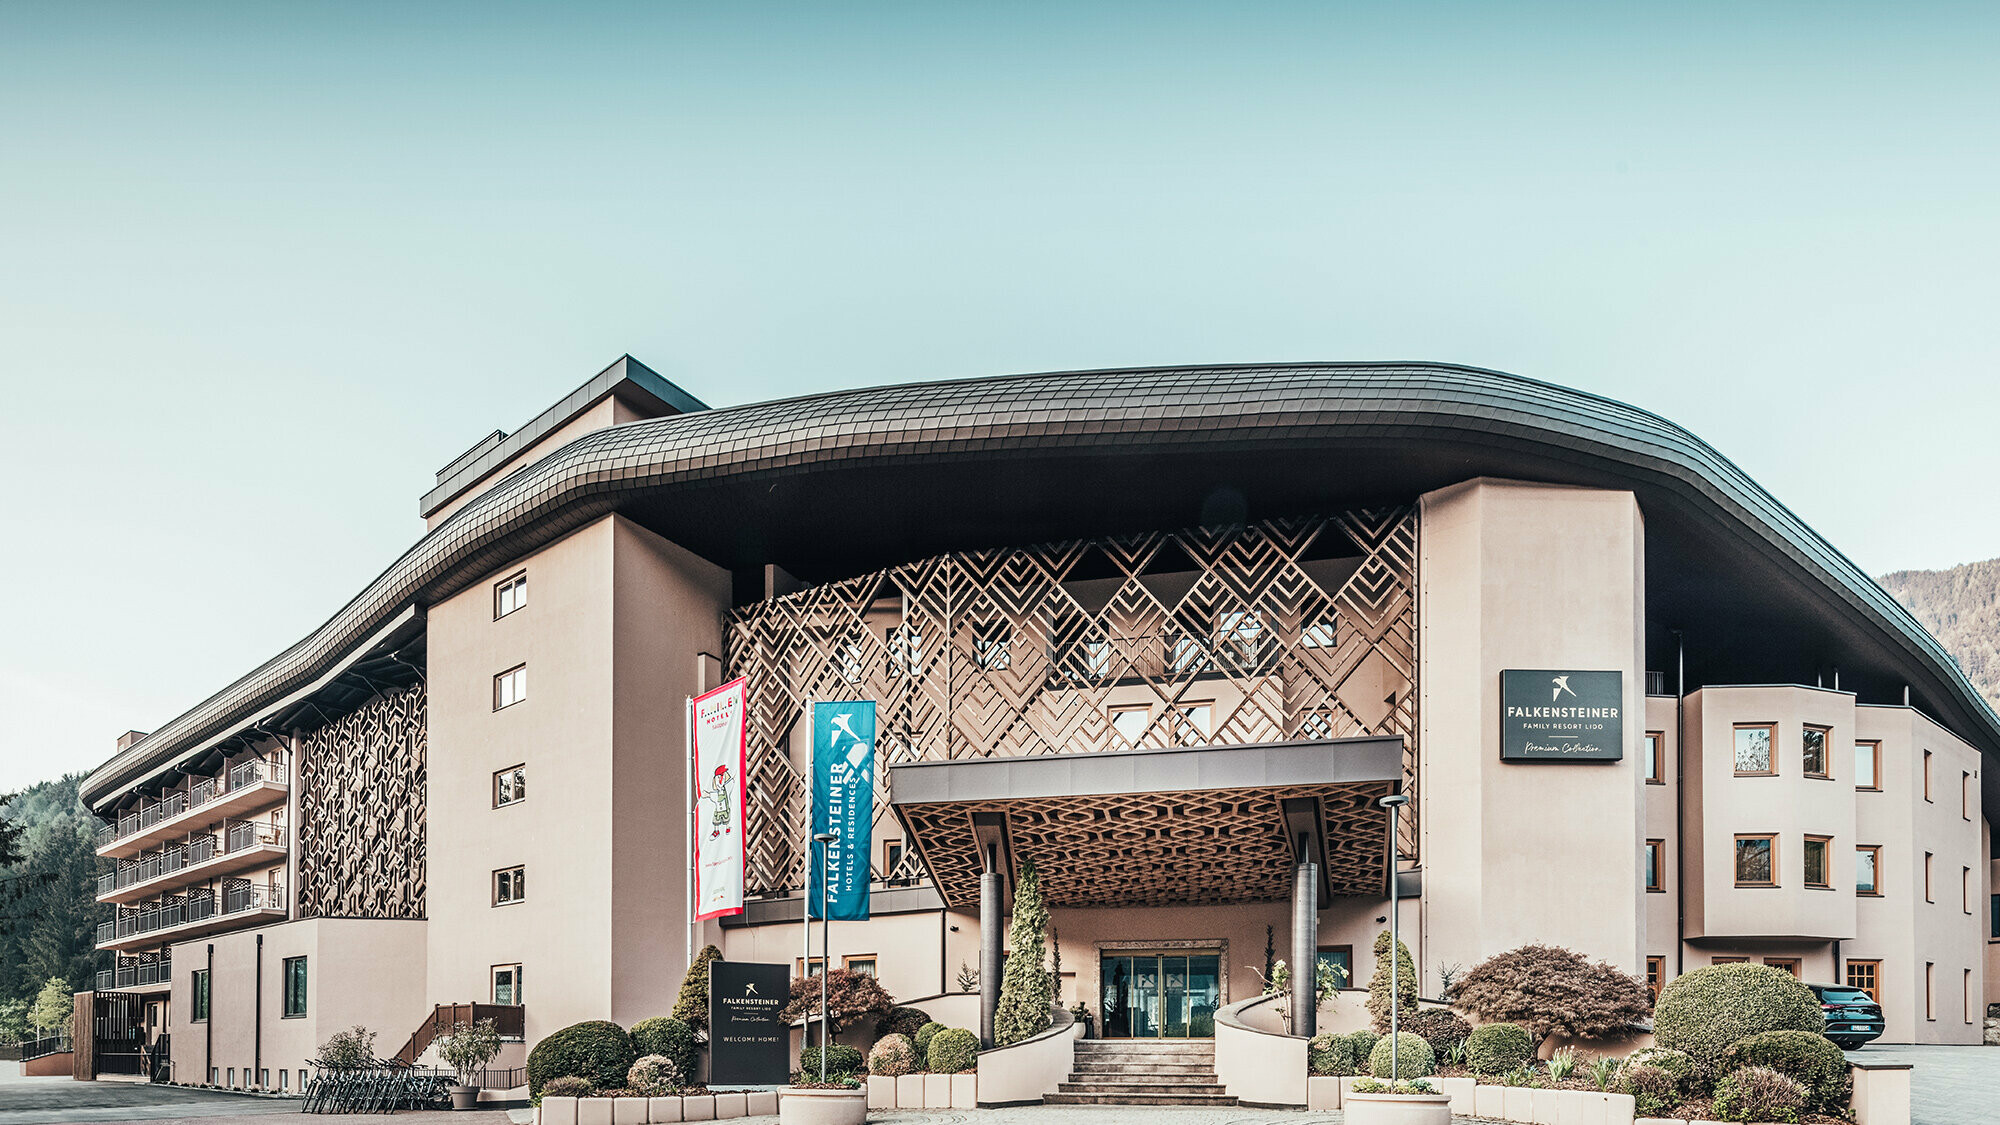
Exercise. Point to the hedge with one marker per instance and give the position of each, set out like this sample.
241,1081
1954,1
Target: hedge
1811,1060
840,1059
1497,1048
952,1051
671,1039
902,1021
1402,1056
1653,1090
1679,1065
1440,1027
598,1050
1330,1056
1707,1010
1760,1094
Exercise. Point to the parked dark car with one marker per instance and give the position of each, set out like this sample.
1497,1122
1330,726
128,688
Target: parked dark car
1851,1017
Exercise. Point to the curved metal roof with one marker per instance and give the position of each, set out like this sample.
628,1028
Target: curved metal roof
960,459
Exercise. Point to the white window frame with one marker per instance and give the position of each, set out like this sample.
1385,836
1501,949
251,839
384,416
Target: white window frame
510,595
510,687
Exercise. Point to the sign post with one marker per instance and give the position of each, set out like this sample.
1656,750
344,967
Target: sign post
1554,715
747,1037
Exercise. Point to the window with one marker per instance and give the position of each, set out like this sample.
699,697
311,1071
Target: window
1927,775
906,649
1656,976
1656,870
863,964
1186,653
1130,722
1191,723
295,987
808,967
1656,757
990,641
282,1076
1323,633
232,1078
1753,750
1789,964
1242,636
1928,896
1814,744
264,1078
1863,976
1755,861
1993,905
510,786
1341,957
1965,888
853,662
1965,1002
1964,795
1728,959
213,1074
1930,991
200,1003
1868,766
1818,868
1868,870
507,984
509,595
510,885
510,687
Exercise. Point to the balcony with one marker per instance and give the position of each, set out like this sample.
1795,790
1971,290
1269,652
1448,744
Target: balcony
136,975
239,906
245,844
246,788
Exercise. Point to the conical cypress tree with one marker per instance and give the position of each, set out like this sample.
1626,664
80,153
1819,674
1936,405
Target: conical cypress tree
1025,992
691,1007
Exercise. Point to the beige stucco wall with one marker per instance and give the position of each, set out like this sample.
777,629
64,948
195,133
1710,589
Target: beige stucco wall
1528,576
358,972
610,636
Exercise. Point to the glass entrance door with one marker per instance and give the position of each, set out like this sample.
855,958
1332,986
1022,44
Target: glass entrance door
1160,995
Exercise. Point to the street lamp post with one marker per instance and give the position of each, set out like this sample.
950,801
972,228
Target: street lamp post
825,953
1394,803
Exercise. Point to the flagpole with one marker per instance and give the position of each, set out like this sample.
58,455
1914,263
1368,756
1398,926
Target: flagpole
693,829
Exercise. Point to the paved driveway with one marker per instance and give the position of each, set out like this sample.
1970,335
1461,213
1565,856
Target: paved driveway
1948,1085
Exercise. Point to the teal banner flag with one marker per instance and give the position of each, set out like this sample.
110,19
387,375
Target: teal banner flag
843,803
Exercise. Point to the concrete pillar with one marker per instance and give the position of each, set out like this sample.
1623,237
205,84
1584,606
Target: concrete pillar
992,935
1305,948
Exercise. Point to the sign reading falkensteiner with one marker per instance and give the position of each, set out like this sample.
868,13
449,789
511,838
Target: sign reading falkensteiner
843,804
719,756
1553,715
749,1045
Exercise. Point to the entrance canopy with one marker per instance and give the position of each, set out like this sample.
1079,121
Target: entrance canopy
1201,825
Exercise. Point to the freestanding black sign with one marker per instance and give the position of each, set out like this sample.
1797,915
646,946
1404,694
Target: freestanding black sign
748,1044
1552,715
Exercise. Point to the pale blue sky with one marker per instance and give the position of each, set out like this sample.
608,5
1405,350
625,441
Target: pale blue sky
267,266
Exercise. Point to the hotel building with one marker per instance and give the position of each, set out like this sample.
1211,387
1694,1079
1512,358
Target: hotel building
1169,633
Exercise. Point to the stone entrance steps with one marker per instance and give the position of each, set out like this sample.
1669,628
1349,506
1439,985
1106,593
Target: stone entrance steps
1143,1072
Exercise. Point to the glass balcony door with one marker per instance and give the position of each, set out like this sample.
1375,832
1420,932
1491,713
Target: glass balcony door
1159,995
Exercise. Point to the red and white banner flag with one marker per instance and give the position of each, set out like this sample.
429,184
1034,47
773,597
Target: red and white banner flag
720,738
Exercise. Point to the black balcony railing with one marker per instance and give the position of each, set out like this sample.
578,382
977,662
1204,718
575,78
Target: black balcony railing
236,837
235,900
200,793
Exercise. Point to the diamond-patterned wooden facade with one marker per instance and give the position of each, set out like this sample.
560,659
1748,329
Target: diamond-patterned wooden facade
1301,628
361,811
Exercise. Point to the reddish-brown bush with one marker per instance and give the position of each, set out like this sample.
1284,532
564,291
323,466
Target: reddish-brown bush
1549,990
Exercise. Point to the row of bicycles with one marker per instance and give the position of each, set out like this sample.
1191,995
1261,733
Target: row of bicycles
377,1086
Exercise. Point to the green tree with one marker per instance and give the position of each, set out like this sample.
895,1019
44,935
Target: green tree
54,1007
691,1006
1025,992
48,889
1378,985
14,1025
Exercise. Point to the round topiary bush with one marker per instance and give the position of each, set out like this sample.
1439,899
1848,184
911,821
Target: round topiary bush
598,1050
1678,1064
670,1038
840,1059
655,1076
1654,1091
1330,1056
1498,1048
952,1051
1412,1057
903,1021
1811,1060
1440,1027
892,1055
1758,1093
923,1040
1705,1011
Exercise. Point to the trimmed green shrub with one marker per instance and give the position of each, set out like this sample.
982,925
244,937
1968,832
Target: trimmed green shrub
1330,1056
1654,1091
595,1049
902,1021
1359,1043
1678,1064
1027,992
1758,1093
892,1055
568,1086
1497,1048
923,1040
691,1005
1808,1059
655,1076
1705,1011
953,1051
670,1038
840,1059
1412,1057
1378,985
1440,1027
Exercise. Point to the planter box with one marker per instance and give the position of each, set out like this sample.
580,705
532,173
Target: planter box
881,1091
663,1111
593,1111
1397,1109
1459,1090
698,1108
909,1091
964,1091
557,1111
628,1111
732,1105
937,1091
763,1103
822,1107
1547,1106
1322,1093
1489,1102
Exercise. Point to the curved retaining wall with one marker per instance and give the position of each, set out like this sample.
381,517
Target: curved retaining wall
1021,1073
1259,1066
